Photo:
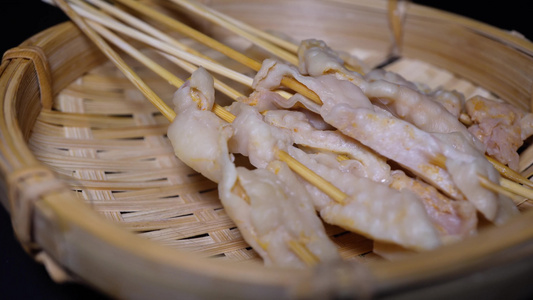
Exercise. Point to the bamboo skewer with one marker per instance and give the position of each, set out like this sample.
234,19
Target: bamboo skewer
219,110
299,168
506,188
516,188
396,16
139,24
296,166
219,85
95,15
173,80
510,174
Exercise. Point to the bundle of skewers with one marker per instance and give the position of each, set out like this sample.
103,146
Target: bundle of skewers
327,138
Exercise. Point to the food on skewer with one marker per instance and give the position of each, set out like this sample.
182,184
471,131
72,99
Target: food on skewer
372,209
360,160
453,219
389,90
377,129
453,101
273,215
346,107
403,221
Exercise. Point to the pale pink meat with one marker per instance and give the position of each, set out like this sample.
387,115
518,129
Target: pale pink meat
269,206
500,126
455,220
346,108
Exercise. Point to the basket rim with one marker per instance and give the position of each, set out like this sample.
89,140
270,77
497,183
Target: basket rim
54,212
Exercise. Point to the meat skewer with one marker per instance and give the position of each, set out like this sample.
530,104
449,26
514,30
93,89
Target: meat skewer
341,196
275,218
353,114
455,219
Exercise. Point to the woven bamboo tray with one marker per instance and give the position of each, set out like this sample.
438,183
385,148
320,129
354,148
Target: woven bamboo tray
97,195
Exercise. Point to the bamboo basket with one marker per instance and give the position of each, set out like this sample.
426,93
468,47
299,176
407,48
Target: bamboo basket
96,194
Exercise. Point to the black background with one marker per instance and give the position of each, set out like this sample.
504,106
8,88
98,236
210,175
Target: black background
20,276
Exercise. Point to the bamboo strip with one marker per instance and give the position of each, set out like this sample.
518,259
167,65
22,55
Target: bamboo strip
510,174
160,208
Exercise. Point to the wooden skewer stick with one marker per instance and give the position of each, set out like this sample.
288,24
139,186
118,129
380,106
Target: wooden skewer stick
516,188
496,188
303,253
219,85
505,187
214,44
138,55
509,173
162,72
